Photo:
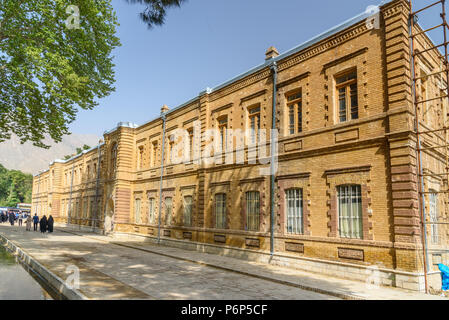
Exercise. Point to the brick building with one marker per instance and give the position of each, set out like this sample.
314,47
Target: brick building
345,190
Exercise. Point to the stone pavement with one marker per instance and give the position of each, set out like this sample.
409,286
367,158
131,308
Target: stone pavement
127,269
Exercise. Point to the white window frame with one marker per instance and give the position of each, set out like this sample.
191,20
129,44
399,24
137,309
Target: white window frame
294,211
350,222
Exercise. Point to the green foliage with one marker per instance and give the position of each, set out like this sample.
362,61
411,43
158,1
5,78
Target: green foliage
78,151
156,10
15,187
48,70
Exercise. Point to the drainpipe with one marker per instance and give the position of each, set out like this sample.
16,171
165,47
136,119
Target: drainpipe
163,115
273,149
96,189
70,198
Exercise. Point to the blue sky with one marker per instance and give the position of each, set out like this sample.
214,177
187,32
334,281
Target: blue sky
202,44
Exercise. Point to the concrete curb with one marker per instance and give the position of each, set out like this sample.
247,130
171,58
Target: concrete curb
340,295
53,281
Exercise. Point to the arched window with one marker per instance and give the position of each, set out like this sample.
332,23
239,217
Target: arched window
114,158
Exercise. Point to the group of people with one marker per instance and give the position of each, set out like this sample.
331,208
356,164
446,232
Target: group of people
45,224
12,217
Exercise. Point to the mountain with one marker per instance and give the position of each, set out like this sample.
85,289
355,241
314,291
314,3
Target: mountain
30,159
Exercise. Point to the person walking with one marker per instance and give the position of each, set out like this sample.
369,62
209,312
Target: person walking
50,224
43,224
20,219
11,218
35,221
28,223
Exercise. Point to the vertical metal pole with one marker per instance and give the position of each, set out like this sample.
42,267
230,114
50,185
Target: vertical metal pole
445,66
70,198
38,198
94,222
420,178
273,149
161,181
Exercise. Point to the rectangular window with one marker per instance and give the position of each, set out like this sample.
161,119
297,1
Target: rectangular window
424,97
254,122
171,151
252,210
91,209
85,203
293,198
294,105
222,127
433,214
140,159
220,211
137,211
190,132
350,211
188,202
168,210
151,211
348,108
154,154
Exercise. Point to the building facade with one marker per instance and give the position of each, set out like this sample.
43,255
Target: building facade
345,187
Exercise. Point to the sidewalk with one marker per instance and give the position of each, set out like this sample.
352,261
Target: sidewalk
112,269
342,288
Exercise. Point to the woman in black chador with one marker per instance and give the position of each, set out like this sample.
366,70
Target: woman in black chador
50,224
43,224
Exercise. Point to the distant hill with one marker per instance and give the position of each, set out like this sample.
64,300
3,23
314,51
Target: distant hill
30,159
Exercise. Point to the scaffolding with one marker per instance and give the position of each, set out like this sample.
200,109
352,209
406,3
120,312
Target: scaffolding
432,144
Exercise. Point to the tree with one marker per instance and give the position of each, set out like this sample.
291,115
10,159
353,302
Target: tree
155,11
15,187
55,57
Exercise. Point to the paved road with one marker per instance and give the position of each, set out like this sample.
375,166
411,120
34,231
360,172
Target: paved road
108,271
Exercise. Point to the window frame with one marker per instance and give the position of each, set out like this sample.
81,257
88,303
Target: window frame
347,86
352,232
168,215
255,132
298,226
154,147
296,114
151,210
220,215
252,218
138,211
189,215
222,125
